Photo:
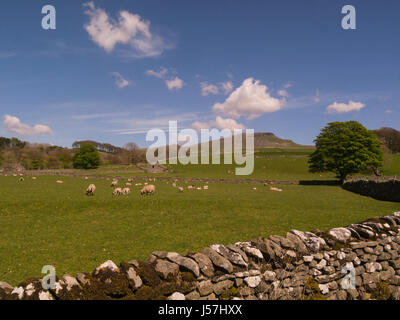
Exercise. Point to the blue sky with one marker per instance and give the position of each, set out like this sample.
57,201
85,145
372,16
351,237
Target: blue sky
114,69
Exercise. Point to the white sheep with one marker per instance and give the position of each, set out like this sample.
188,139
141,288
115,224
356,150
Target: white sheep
114,183
90,190
126,191
148,189
117,191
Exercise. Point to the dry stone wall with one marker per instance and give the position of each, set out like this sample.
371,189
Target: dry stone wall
357,262
387,190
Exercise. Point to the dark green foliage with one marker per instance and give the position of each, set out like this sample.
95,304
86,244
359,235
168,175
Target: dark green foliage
346,148
86,157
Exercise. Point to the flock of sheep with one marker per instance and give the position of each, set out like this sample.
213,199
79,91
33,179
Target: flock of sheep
147,189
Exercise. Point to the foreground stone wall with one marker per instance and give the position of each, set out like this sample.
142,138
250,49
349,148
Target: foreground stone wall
302,265
388,190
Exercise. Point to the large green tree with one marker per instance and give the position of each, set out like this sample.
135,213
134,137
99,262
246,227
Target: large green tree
86,157
346,148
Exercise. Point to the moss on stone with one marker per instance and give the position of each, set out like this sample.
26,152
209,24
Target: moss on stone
229,294
312,290
382,291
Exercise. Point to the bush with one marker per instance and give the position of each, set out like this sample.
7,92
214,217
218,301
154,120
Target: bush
87,157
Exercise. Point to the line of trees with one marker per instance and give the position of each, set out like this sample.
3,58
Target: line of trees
15,153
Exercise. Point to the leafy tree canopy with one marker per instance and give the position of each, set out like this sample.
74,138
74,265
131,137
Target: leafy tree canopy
86,157
346,148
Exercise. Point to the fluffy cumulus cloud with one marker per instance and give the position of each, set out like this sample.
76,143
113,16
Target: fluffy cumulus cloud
14,125
174,84
344,108
219,123
251,100
119,80
129,29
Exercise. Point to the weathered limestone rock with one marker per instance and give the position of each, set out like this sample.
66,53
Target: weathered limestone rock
218,260
184,262
340,234
252,282
204,263
220,287
136,281
233,257
107,265
177,296
166,269
205,288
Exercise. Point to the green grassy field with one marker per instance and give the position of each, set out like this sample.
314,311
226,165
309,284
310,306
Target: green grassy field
42,222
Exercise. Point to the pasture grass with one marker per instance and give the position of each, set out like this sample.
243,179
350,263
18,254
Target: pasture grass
45,223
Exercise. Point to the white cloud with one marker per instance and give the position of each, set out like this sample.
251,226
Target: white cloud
219,123
163,71
14,125
207,89
230,124
344,108
283,93
176,83
130,29
251,99
227,86
200,125
119,80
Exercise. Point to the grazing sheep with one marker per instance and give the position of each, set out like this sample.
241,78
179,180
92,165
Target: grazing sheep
190,187
205,187
34,178
130,180
21,179
59,181
149,189
180,189
114,183
126,191
198,188
86,178
90,190
128,184
254,188
275,189
174,185
117,191
138,184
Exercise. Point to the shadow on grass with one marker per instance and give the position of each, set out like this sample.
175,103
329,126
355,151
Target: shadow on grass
319,182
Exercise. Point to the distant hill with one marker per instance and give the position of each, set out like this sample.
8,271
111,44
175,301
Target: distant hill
390,138
270,140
